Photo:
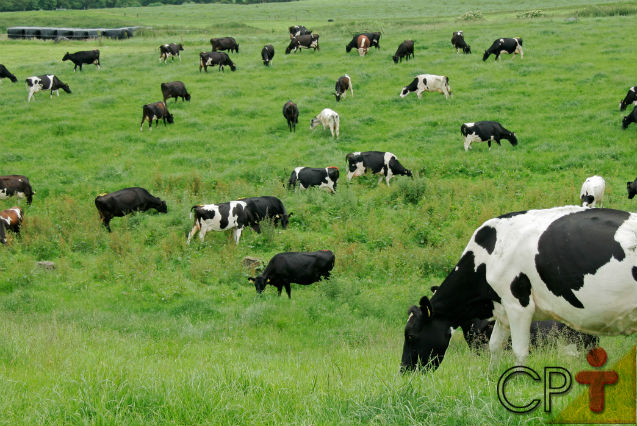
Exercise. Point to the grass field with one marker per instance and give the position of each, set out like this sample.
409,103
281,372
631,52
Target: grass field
135,327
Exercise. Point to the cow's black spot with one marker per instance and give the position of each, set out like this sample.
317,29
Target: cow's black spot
635,273
224,212
486,238
521,289
575,245
510,215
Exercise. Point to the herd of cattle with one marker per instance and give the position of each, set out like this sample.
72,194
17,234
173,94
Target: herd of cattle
566,265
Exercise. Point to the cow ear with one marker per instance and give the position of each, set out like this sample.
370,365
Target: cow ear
425,307
434,288
290,214
251,279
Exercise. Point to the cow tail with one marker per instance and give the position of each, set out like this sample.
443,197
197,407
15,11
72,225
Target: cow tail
192,209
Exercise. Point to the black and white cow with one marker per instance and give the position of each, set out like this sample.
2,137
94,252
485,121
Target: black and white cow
125,201
428,83
405,50
486,131
17,185
630,186
45,82
457,39
298,30
306,41
631,98
10,219
5,73
233,215
504,45
571,264
267,53
172,50
83,57
342,85
175,89
291,114
630,118
155,111
268,207
311,176
208,59
295,267
374,41
378,162
224,43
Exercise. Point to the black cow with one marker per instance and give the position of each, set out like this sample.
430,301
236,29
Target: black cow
485,131
46,82
125,201
208,59
306,41
83,57
4,73
504,45
172,49
17,185
405,50
378,162
295,267
268,207
631,97
630,118
155,111
175,89
298,30
267,53
457,39
374,41
311,176
632,189
291,114
224,43
343,84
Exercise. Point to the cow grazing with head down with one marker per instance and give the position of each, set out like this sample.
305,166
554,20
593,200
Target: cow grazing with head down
126,201
224,43
208,59
504,45
298,30
630,118
267,53
405,50
342,85
374,41
295,267
383,163
155,111
428,83
10,219
571,264
5,73
17,185
268,207
83,57
172,50
306,41
45,82
291,114
175,89
329,119
310,176
592,191
631,98
457,39
486,131
632,189
233,215
362,44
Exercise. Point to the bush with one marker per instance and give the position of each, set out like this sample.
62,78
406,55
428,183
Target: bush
531,14
472,15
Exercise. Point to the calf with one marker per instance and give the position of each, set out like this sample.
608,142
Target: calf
10,219
486,131
342,85
208,59
224,43
291,114
298,30
374,41
155,111
632,189
631,97
125,201
363,44
45,82
83,57
504,45
405,50
378,162
295,267
17,185
172,50
592,191
457,39
233,215
630,118
267,53
5,73
175,89
329,119
428,83
310,176
268,207
306,41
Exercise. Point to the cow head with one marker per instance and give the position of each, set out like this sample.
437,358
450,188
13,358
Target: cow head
513,139
395,58
348,48
180,46
66,57
285,219
627,120
426,338
404,92
259,283
187,97
169,118
486,55
290,47
466,49
314,122
632,189
587,200
65,87
163,208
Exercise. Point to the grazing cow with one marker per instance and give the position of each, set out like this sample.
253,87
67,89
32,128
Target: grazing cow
291,114
172,50
83,57
329,119
363,44
17,185
233,215
224,43
378,162
374,41
268,207
405,50
267,53
630,118
298,30
592,191
306,41
457,39
208,59
45,82
486,131
504,45
311,176
428,83
175,89
342,85
631,186
572,264
631,97
10,219
5,73
155,111
125,201
295,267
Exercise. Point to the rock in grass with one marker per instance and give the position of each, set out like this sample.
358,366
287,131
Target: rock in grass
45,264
251,262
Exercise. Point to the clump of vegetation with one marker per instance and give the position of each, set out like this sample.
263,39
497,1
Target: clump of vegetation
531,14
472,15
608,10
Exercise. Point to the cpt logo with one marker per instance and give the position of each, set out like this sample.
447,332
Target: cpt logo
595,380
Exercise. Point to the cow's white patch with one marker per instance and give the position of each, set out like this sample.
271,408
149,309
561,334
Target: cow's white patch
469,139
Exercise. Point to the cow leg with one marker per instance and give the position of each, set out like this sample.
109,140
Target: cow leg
193,231
279,287
80,66
237,234
489,143
75,68
467,143
520,318
107,223
388,176
419,93
203,229
498,338
288,290
380,179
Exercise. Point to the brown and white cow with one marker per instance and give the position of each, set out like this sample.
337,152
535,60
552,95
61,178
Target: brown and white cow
363,44
10,219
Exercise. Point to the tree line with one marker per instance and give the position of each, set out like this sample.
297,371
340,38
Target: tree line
17,5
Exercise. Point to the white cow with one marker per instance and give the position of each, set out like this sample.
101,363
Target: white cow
428,83
329,119
234,215
592,191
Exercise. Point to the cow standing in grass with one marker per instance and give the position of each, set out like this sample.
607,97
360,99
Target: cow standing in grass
363,45
267,53
329,119
311,176
45,82
155,111
172,50
486,131
83,57
208,59
405,50
592,191
291,114
383,163
224,43
175,89
428,83
17,185
10,219
235,215
457,39
343,84
504,45
126,201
